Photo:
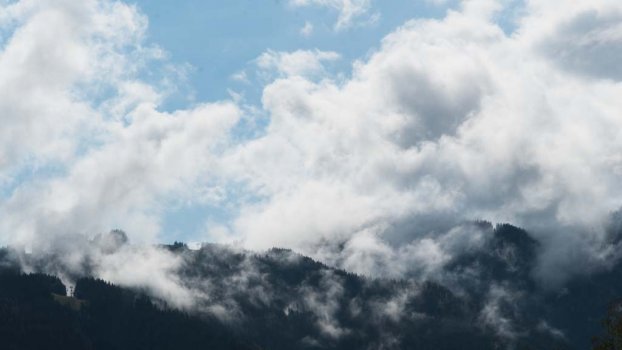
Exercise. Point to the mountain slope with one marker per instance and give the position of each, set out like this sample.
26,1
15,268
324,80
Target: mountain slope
483,299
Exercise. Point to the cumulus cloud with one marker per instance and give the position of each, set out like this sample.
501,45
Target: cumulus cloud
45,58
448,120
587,42
121,183
83,146
116,159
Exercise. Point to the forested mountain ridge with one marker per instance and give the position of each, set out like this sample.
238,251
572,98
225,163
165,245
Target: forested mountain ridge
487,299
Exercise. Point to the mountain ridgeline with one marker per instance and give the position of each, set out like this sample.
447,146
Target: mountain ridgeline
485,299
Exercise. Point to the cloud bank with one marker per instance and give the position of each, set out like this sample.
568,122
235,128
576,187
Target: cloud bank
448,120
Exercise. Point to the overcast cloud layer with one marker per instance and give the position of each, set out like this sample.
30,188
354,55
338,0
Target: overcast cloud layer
446,121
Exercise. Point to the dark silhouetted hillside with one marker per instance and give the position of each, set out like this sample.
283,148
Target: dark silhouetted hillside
482,299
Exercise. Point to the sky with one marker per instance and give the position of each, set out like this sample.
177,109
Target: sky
364,133
219,45
219,41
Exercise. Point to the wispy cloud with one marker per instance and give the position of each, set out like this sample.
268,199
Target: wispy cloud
349,10
307,29
302,63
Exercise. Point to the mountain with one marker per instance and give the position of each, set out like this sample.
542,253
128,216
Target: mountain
484,299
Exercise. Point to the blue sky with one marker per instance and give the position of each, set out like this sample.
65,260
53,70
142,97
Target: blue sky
220,39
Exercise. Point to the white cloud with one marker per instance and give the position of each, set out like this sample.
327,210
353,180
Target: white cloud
588,42
449,120
349,10
119,158
307,29
150,268
298,63
241,77
72,101
121,183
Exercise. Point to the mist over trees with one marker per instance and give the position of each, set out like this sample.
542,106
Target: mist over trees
484,299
